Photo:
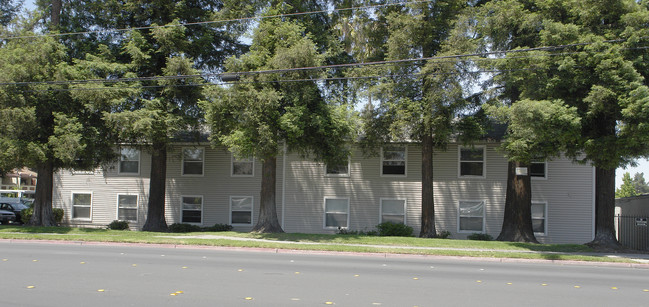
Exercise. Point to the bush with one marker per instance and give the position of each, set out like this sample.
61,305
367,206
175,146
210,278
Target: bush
390,229
480,237
26,215
180,227
58,215
444,234
118,225
218,227
343,231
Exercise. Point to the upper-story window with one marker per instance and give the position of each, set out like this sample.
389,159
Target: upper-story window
538,169
129,161
472,161
193,161
338,170
243,167
393,160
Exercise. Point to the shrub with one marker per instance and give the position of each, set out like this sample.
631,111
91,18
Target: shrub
390,229
58,215
344,231
444,234
26,215
118,225
480,237
180,227
218,227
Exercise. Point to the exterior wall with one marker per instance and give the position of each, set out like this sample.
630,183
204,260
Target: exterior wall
567,192
636,205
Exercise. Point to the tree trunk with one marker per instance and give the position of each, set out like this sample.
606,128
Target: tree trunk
427,202
517,222
267,221
43,215
56,13
155,218
604,210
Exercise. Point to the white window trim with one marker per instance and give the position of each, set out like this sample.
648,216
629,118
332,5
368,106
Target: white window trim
324,215
484,162
252,210
182,209
182,165
349,170
232,160
545,218
545,162
72,205
139,163
405,209
484,215
405,160
137,206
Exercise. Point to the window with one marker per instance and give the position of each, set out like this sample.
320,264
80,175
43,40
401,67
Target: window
338,170
243,167
393,160
241,210
538,218
193,161
336,213
129,161
538,169
471,216
472,162
81,205
127,207
393,210
192,209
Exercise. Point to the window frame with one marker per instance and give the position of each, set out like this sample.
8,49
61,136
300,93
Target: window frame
545,218
248,160
545,170
460,216
252,210
137,206
72,205
119,163
202,161
405,209
347,174
460,161
405,160
324,209
182,209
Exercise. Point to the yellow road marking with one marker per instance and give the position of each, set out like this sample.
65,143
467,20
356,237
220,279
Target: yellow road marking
248,298
101,290
31,287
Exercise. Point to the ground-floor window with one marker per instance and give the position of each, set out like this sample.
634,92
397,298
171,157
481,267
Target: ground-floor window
241,210
471,216
127,208
393,210
81,205
336,213
192,209
538,218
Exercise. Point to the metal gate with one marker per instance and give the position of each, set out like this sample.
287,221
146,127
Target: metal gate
633,231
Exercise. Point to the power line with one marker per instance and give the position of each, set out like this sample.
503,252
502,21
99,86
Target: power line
218,20
484,56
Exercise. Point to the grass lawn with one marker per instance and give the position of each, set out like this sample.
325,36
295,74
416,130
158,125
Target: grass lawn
297,241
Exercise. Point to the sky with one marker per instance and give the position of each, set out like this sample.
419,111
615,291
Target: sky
643,164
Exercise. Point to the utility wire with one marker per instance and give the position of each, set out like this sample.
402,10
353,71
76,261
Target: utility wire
484,56
218,20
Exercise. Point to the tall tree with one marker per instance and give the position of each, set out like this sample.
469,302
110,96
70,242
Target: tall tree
639,183
8,10
626,189
166,56
255,118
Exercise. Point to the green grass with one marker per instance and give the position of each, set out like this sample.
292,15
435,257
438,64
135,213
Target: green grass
339,243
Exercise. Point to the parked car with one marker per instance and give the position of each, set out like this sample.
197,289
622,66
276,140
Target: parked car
7,217
16,208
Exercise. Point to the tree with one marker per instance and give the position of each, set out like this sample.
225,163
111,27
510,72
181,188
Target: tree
627,189
8,10
641,187
167,56
255,118
47,126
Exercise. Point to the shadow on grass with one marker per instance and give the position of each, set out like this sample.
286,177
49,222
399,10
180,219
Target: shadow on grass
52,229
565,248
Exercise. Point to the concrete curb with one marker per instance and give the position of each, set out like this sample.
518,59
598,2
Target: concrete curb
317,252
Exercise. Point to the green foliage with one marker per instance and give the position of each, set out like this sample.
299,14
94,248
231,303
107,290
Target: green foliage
118,225
390,229
184,227
626,189
345,231
58,215
641,187
444,234
218,228
480,237
26,215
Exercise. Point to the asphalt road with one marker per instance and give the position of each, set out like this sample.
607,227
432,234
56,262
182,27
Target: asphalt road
38,274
